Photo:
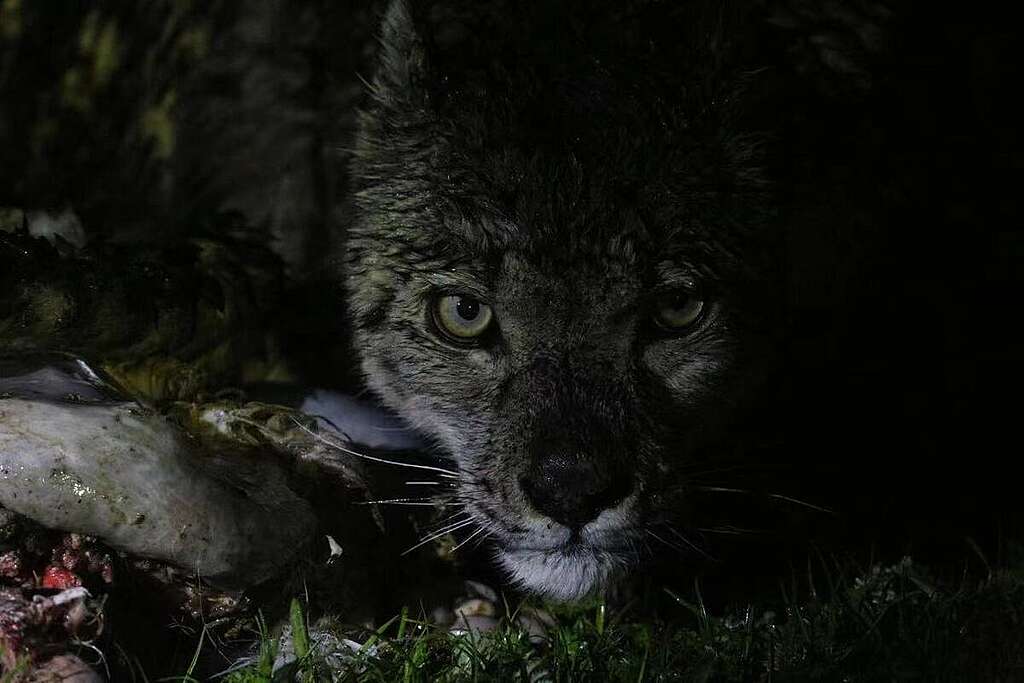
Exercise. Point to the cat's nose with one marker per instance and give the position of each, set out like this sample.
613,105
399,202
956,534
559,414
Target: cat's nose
573,489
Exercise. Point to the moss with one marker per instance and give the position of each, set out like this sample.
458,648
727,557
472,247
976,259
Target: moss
11,219
194,43
157,126
107,54
10,20
74,90
166,324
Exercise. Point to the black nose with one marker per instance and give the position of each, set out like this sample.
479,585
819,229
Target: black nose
574,489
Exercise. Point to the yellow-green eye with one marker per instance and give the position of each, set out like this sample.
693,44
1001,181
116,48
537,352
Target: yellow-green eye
679,311
462,317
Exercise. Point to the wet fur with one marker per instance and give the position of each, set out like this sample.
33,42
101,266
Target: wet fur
564,174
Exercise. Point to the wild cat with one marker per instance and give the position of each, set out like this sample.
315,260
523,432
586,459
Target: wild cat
558,263
558,231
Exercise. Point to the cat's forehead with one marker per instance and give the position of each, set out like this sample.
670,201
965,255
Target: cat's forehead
550,203
500,255
551,241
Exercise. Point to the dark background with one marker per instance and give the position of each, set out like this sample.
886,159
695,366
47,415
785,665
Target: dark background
897,405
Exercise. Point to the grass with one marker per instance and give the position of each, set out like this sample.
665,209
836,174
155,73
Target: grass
21,668
890,623
886,623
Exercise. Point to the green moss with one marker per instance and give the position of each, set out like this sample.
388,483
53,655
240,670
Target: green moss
75,92
157,126
11,219
99,48
10,20
194,44
107,56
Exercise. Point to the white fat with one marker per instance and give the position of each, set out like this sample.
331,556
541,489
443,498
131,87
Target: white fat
70,595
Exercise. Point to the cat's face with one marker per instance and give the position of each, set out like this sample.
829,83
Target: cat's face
546,276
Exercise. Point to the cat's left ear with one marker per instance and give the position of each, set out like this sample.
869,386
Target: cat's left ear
402,64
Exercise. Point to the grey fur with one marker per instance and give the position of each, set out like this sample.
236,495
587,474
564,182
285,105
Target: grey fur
565,182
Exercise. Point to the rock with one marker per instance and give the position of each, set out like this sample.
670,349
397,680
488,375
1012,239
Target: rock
64,669
475,589
331,653
467,625
8,524
476,608
82,459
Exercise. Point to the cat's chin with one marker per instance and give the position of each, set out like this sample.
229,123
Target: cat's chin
564,573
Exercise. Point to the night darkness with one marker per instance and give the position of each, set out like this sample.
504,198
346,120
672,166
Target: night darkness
892,413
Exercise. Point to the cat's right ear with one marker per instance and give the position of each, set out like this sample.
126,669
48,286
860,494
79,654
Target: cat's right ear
402,63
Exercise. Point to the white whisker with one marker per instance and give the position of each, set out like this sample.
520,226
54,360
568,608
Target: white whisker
688,542
719,489
797,501
451,525
406,502
453,516
483,538
776,496
439,534
467,540
659,538
730,530
335,445
392,500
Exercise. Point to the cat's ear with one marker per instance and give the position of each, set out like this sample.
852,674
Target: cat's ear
402,62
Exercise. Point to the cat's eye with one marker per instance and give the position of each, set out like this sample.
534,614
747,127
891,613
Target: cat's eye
461,317
679,310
